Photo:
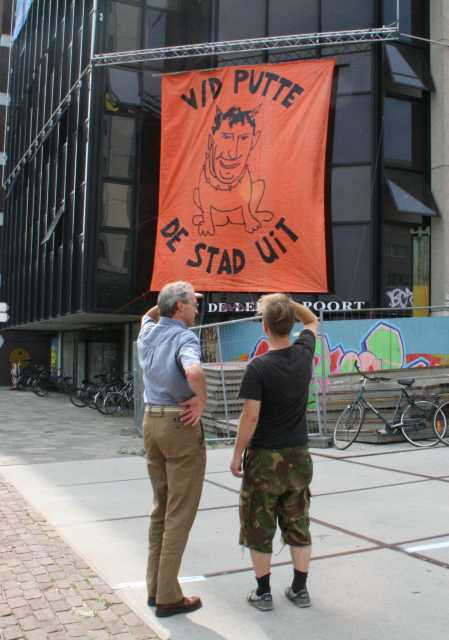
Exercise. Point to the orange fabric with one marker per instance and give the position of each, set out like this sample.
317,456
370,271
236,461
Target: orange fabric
241,205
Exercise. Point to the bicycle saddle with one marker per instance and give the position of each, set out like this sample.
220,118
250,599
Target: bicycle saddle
406,382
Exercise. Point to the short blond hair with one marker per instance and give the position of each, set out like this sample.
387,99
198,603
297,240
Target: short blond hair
277,313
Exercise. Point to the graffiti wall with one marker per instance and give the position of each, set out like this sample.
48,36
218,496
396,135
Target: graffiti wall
373,344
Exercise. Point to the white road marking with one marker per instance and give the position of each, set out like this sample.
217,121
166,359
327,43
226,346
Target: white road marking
426,547
142,584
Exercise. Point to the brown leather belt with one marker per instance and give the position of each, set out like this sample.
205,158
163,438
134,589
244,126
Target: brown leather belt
162,410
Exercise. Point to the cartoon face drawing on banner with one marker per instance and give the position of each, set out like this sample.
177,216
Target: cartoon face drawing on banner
227,193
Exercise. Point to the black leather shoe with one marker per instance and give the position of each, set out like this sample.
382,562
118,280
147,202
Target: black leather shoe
151,601
186,605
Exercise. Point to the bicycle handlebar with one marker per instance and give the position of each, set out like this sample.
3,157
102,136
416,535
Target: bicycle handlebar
371,378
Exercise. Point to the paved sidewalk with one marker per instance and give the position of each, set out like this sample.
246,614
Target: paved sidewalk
46,590
380,526
37,430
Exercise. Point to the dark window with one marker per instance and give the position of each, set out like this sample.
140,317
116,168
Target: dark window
123,89
351,194
176,22
124,27
352,261
407,68
155,29
291,16
352,129
354,72
119,146
113,257
151,92
4,57
117,206
412,15
404,134
237,20
408,197
397,266
350,14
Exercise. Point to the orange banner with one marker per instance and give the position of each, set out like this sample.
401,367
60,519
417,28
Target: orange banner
241,204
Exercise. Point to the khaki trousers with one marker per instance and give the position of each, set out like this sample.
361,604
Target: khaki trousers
176,460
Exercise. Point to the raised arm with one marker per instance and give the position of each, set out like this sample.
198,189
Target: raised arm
307,317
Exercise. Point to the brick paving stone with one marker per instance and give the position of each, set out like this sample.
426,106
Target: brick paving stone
38,603
13,633
13,593
37,634
60,605
7,621
29,623
115,628
5,610
22,612
26,586
16,602
132,620
31,594
99,635
44,614
76,630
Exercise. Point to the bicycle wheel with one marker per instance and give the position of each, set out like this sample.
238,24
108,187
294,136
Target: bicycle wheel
440,423
418,424
39,388
348,426
112,403
79,398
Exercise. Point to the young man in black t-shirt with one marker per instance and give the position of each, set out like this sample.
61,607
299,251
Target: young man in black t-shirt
277,469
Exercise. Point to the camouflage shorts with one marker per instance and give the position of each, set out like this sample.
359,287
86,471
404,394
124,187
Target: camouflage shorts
275,489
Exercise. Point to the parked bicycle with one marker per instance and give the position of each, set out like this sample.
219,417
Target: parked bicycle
441,420
418,419
120,402
27,375
47,381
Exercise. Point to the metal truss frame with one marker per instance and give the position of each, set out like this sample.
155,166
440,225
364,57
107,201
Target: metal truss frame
298,41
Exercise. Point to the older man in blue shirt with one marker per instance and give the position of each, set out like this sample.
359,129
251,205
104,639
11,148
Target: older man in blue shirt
175,396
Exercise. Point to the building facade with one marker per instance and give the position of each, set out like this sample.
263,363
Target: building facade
83,147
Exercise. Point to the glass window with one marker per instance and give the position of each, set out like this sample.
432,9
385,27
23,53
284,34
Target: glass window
123,89
113,252
352,261
236,21
412,15
151,94
352,130
350,14
407,67
291,16
404,131
408,194
397,266
117,206
113,256
123,27
119,146
354,72
155,29
351,194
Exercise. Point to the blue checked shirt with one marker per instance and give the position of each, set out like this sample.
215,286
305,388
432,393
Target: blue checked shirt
159,345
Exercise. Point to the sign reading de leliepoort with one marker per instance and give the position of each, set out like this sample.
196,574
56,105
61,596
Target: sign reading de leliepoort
241,205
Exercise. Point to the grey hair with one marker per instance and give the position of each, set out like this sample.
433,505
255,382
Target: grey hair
172,293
